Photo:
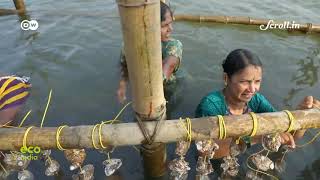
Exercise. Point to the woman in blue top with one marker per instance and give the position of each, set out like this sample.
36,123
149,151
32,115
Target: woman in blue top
242,78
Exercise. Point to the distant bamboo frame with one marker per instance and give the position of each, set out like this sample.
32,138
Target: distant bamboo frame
306,27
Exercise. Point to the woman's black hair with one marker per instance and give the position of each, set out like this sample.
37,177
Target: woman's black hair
164,8
239,59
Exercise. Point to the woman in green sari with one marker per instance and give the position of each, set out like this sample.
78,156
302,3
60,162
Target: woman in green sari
171,53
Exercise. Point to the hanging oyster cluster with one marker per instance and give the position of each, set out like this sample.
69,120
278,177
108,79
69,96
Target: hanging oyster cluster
206,149
86,173
75,157
25,175
179,167
262,162
230,165
111,165
270,143
16,161
52,166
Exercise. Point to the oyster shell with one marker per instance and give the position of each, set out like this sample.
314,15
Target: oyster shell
206,148
262,162
111,165
86,173
15,161
253,176
230,166
271,142
52,167
182,148
204,166
25,175
179,168
75,157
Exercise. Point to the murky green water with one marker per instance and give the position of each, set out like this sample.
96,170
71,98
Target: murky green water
75,52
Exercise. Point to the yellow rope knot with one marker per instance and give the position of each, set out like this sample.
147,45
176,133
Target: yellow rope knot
57,137
188,127
24,142
222,128
291,119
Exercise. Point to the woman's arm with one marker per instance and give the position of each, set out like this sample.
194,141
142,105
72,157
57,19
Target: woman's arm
8,115
122,89
169,65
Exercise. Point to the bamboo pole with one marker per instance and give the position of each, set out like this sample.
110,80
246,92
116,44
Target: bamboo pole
307,27
140,20
8,12
19,4
125,134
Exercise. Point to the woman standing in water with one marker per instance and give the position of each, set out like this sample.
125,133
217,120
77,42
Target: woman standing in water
171,53
242,78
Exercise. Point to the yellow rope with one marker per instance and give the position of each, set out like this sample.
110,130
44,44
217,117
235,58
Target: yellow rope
49,159
257,170
57,137
100,135
291,119
92,136
47,106
134,147
24,118
5,125
188,128
24,142
309,142
255,124
120,112
4,169
100,128
222,128
109,159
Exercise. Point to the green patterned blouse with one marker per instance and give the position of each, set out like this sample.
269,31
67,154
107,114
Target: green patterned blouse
172,47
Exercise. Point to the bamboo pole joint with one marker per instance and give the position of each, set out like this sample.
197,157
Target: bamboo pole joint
125,3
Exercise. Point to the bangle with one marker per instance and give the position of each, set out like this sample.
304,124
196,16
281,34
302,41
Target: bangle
247,140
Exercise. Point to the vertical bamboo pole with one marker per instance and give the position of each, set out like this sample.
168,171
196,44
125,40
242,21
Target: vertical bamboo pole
140,20
19,4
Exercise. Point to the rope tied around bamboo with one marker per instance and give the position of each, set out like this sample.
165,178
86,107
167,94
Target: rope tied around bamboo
159,121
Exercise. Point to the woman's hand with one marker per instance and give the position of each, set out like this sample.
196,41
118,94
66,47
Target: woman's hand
287,139
122,90
309,102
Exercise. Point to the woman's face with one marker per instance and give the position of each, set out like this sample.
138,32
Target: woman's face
244,84
166,27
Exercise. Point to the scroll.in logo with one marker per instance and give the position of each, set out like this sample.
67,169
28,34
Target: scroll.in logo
29,25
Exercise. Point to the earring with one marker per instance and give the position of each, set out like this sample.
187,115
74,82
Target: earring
225,84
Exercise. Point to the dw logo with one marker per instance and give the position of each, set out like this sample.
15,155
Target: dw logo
29,25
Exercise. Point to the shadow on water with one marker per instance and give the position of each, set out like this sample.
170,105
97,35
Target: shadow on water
306,76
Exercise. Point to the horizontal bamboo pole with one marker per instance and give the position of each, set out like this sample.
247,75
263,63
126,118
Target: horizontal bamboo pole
129,133
307,27
4,12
